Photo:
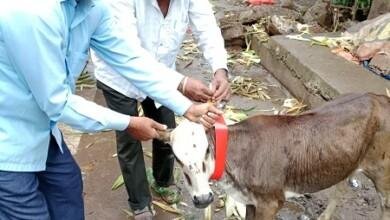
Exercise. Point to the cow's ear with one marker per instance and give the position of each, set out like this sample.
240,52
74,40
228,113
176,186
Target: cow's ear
165,136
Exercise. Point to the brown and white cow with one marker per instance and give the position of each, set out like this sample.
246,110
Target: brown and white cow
271,156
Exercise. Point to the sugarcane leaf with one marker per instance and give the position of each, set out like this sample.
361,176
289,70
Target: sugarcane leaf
167,208
118,183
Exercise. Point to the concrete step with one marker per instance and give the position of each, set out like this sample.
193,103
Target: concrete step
314,74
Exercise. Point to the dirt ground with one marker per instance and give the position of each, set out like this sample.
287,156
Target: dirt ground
95,154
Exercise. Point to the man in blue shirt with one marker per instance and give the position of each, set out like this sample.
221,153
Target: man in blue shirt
43,47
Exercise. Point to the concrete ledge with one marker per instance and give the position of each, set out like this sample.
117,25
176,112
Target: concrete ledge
313,73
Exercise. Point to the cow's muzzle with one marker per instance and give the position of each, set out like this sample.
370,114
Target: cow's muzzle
203,201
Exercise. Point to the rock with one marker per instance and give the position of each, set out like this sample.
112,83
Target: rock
368,50
300,6
233,34
232,31
233,23
379,7
370,30
303,217
354,183
287,4
381,63
254,14
319,13
281,25
266,11
315,28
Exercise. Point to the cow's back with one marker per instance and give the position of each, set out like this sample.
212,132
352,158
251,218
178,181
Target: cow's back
304,153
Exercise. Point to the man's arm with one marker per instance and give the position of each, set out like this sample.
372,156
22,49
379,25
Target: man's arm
210,41
41,65
122,51
124,16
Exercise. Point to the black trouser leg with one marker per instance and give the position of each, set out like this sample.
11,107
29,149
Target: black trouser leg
163,158
130,153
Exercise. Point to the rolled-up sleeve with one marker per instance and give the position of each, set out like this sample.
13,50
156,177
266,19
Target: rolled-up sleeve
122,51
207,33
40,62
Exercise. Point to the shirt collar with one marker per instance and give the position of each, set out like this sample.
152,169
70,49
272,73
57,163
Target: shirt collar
155,4
82,10
75,2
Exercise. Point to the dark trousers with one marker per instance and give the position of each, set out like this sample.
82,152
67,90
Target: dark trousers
55,193
130,153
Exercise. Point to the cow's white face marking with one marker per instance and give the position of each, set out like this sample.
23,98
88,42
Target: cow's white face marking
191,148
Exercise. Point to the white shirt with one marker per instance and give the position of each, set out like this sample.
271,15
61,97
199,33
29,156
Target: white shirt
162,37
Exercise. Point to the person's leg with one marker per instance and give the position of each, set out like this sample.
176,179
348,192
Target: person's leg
20,197
130,153
163,157
61,184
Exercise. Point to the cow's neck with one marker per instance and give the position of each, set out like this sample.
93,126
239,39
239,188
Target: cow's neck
229,181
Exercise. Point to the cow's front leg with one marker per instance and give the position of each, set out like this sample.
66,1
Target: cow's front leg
250,212
268,207
338,191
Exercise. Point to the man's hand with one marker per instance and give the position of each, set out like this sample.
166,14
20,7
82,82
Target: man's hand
205,113
195,90
220,86
143,129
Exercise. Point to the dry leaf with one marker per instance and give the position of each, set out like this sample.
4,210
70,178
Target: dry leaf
148,154
189,50
234,208
128,213
89,145
247,87
167,208
184,204
221,203
235,116
85,80
292,107
208,213
140,110
118,183
388,92
89,167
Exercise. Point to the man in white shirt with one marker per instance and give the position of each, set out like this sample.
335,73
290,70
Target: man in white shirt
161,26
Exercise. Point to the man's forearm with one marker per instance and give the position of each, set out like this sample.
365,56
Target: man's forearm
221,73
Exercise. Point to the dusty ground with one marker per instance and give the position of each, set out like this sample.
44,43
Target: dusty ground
96,155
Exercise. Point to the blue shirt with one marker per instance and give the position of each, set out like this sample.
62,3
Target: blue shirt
43,47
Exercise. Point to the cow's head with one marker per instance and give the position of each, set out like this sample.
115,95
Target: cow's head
191,148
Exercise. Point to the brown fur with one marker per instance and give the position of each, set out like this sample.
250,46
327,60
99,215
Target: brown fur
271,154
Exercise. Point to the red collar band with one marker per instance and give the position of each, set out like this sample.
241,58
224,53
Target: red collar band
221,143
